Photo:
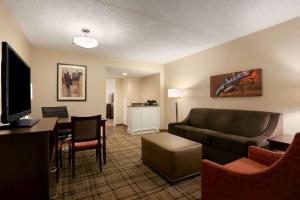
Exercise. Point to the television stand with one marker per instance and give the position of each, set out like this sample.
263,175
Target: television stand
20,123
24,123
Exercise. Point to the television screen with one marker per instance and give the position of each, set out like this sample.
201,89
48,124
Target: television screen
15,73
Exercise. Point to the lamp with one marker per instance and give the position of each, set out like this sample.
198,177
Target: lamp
175,93
84,41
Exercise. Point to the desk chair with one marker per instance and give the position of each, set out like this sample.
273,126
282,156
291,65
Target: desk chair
85,136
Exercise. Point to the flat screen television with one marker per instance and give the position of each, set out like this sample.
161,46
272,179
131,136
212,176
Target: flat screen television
15,88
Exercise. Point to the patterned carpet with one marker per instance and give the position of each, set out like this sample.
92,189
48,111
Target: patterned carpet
123,177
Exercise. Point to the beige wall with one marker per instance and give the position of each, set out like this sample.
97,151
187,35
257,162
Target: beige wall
11,33
44,74
276,50
151,88
134,90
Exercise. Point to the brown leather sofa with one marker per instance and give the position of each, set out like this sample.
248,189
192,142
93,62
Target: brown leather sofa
227,134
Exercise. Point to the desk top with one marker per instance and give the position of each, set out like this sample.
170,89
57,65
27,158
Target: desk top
284,138
44,125
68,120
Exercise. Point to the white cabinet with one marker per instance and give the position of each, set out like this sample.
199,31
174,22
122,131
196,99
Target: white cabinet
143,119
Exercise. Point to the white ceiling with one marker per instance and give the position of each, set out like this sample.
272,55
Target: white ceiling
115,72
147,30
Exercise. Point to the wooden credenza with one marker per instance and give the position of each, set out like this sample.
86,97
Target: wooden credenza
143,119
27,167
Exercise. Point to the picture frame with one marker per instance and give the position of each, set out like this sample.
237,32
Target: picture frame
247,83
71,82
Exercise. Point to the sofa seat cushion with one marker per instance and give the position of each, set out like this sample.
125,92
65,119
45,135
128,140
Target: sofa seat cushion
234,143
201,135
245,165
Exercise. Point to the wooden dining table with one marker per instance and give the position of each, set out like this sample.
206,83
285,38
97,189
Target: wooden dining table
65,123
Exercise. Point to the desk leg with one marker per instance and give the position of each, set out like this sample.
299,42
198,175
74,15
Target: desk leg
104,142
56,153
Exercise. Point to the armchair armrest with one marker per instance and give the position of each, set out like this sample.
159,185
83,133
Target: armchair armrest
219,182
263,156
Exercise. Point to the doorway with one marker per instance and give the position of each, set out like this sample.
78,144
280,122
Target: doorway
110,101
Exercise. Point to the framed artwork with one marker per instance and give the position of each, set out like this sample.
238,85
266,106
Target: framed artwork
71,82
238,84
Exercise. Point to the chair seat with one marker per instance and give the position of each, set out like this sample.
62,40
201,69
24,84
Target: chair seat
86,145
245,165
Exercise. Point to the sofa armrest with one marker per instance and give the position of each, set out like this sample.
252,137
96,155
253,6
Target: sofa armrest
184,122
177,123
263,156
259,141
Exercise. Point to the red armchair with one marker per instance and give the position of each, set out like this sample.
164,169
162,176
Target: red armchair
264,175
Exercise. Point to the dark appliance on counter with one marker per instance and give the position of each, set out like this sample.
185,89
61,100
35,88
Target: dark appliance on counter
151,103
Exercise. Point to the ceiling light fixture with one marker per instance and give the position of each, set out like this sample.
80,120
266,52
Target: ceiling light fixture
85,41
124,74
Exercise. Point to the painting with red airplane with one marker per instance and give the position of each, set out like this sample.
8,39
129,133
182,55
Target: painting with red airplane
237,84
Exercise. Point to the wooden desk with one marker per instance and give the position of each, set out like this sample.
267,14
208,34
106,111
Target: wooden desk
280,142
27,169
65,123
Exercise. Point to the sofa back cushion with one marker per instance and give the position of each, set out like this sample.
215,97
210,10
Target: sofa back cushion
199,117
249,123
220,120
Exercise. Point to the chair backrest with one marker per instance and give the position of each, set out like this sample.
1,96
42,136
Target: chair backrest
86,128
59,111
287,169
292,154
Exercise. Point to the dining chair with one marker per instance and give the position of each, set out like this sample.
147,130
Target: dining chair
63,135
85,136
58,111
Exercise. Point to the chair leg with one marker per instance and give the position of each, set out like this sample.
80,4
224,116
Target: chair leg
70,154
73,163
97,154
60,157
100,160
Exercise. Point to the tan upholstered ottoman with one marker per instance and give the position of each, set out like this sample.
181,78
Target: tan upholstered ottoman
171,156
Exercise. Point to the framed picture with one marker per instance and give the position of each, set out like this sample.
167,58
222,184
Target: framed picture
71,82
237,84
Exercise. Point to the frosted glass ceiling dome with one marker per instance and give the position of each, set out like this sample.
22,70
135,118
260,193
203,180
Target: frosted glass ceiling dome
85,41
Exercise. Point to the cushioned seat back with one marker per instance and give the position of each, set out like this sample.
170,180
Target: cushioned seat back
199,117
221,120
249,123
